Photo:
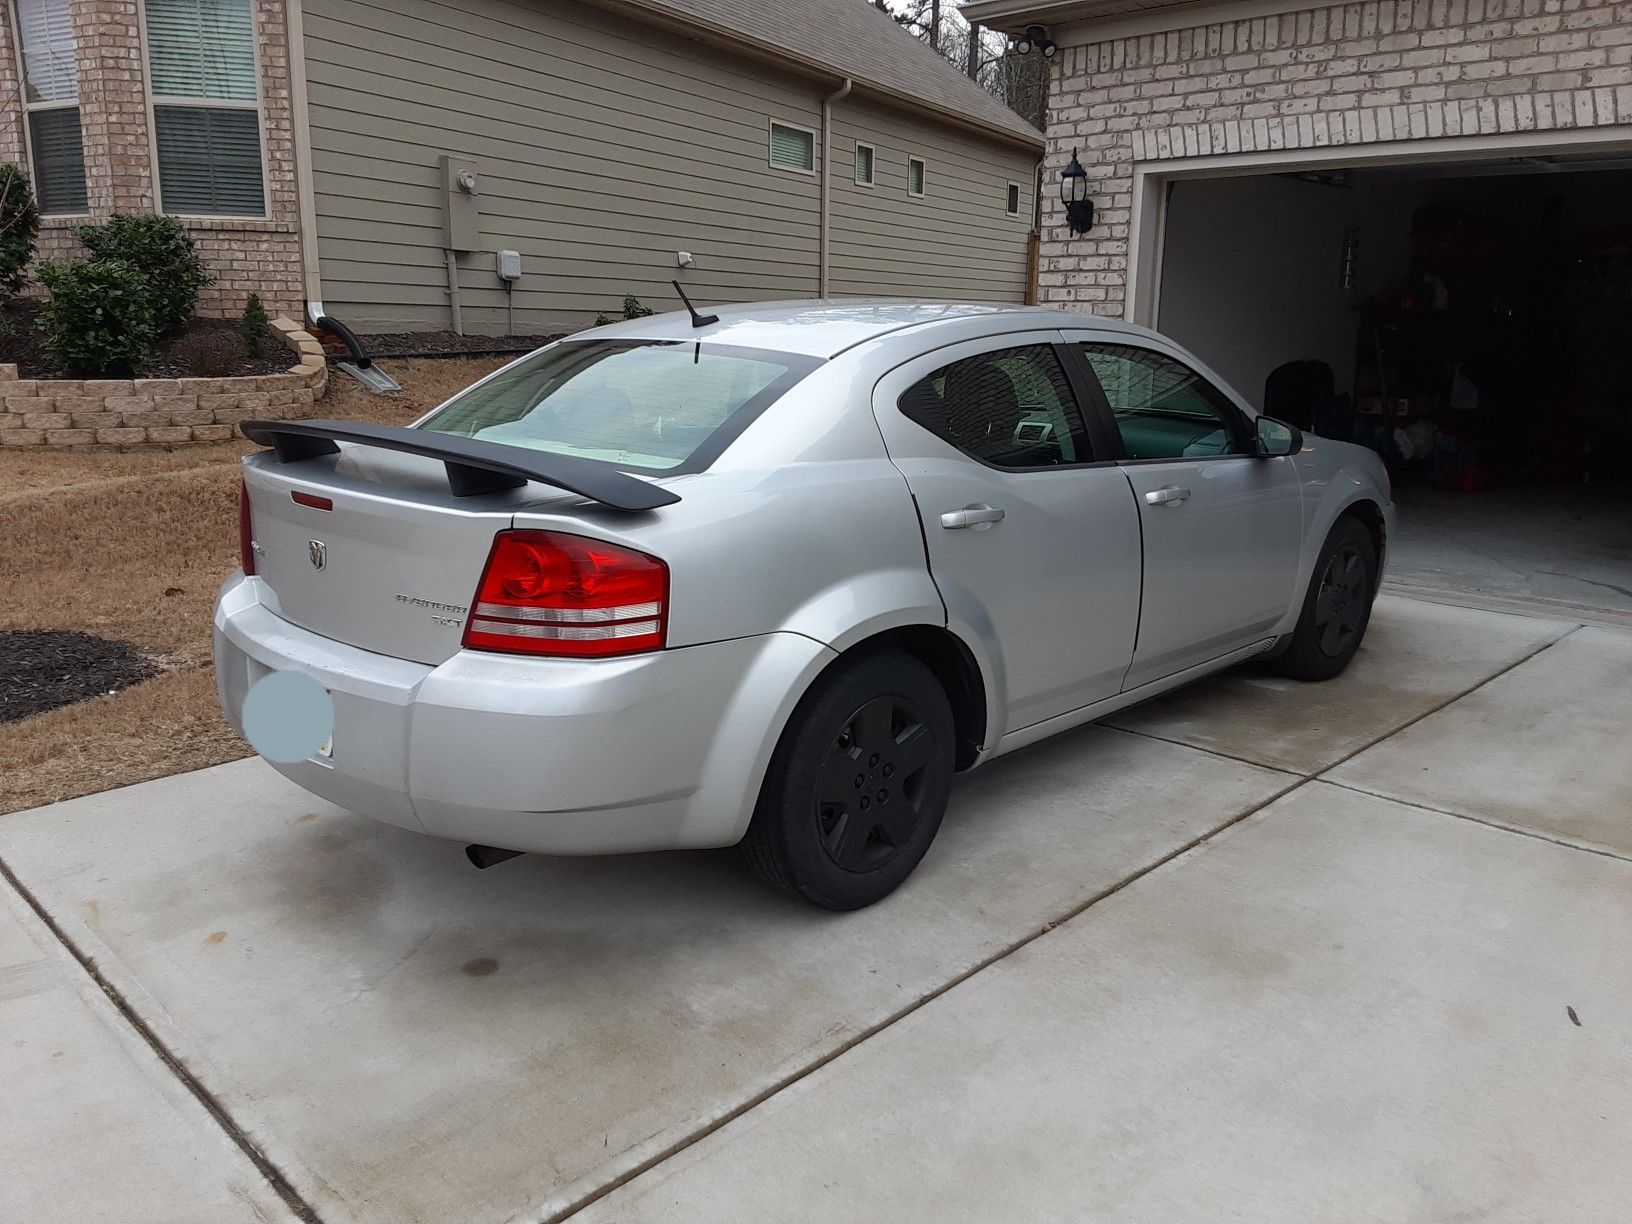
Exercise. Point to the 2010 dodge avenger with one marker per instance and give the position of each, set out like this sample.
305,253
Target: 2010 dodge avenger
774,576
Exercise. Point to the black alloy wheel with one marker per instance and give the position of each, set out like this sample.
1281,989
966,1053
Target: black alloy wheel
871,789
1342,602
858,783
1336,605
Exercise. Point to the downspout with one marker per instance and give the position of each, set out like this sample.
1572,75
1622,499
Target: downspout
837,95
306,192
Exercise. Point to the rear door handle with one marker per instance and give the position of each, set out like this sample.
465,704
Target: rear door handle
1169,496
978,516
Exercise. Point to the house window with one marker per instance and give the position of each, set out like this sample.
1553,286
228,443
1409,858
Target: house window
1012,204
915,176
51,102
206,106
793,148
864,165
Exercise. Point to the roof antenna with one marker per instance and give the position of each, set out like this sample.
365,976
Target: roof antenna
697,320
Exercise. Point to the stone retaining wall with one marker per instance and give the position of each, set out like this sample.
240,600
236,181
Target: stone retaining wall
157,411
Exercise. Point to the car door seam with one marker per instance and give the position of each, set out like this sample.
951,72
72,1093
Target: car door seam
1139,612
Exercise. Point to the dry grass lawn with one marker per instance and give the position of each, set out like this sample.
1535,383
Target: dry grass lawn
133,546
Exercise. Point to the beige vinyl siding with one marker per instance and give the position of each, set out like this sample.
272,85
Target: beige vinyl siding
954,241
604,147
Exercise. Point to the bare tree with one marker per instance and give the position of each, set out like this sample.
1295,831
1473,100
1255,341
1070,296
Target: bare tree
987,56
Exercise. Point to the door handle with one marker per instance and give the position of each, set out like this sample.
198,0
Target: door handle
977,516
1169,496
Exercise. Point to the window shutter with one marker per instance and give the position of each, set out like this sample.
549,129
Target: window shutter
59,159
201,49
209,160
48,50
792,148
864,164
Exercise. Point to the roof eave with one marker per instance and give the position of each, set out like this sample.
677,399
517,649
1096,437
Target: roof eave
1013,16
733,40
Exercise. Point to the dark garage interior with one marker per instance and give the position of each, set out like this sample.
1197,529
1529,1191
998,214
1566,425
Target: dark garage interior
1471,322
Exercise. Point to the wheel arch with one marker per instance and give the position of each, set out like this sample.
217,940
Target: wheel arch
954,665
1370,516
950,660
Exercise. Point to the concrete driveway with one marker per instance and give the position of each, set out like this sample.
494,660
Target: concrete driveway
1261,950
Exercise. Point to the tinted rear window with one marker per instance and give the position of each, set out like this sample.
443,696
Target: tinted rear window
661,405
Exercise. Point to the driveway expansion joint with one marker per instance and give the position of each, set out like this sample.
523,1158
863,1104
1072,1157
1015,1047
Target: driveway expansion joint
1489,822
1295,781
274,1176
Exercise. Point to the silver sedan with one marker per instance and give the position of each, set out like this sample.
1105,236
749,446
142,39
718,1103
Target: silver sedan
775,577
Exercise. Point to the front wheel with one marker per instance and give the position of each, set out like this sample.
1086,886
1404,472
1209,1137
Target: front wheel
858,783
1337,606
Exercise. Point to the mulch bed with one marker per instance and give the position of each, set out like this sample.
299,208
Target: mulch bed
207,348
438,343
41,669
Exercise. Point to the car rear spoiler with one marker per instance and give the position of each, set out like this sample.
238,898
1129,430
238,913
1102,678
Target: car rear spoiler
474,466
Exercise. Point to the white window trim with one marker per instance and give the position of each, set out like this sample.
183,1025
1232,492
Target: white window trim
15,20
256,105
1019,199
924,162
815,147
872,165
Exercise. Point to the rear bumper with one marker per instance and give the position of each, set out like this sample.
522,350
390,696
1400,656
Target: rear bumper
652,752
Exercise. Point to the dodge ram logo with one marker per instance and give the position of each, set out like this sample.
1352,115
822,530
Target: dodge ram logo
318,552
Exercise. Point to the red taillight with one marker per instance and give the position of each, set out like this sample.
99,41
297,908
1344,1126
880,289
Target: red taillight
549,593
246,531
310,499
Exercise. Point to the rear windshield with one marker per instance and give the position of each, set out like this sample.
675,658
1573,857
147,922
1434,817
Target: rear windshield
661,405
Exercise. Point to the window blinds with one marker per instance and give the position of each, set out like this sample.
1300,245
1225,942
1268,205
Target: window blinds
59,159
792,148
201,49
209,155
209,160
48,50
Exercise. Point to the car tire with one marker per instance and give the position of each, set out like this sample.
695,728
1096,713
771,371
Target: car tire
1336,607
857,785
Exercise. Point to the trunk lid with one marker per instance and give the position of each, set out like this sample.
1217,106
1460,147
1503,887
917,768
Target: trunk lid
393,566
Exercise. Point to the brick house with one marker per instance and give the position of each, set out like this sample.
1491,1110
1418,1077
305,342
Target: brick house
375,157
1405,222
1161,95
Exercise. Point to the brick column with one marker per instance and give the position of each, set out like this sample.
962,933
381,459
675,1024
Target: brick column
113,106
11,95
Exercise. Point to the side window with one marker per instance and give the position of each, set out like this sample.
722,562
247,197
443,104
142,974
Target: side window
1011,408
1164,409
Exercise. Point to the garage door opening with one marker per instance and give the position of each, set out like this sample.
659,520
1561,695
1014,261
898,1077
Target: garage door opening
1470,322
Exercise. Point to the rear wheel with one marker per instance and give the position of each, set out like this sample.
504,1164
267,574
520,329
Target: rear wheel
1337,606
857,785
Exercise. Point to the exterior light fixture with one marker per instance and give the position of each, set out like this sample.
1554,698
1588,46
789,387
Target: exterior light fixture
1036,39
1079,209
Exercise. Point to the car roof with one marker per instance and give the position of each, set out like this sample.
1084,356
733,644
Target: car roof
825,327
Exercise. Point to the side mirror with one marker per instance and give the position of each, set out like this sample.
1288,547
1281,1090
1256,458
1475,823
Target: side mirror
1277,438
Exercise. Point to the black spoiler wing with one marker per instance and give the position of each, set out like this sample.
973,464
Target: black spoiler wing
474,466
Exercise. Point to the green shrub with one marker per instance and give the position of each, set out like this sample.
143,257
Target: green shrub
632,309
255,327
160,249
19,223
99,320
601,320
